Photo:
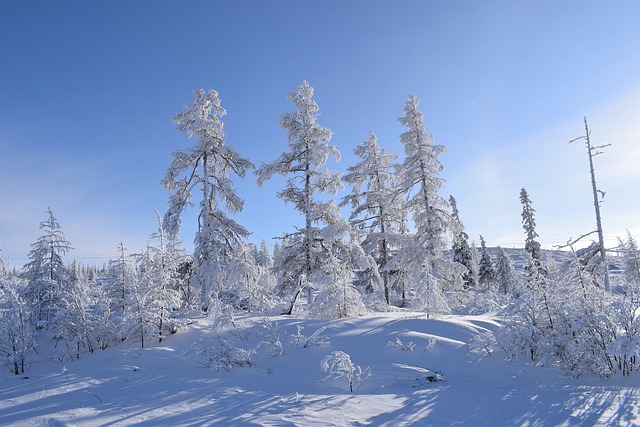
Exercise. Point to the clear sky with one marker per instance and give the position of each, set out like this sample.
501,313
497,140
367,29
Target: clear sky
88,90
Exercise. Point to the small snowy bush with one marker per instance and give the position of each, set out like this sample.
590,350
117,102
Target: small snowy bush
272,337
400,345
339,365
314,339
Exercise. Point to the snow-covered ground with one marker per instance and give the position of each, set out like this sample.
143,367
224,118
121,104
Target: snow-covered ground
165,384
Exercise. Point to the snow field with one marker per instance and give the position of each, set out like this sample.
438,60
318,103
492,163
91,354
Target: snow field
441,381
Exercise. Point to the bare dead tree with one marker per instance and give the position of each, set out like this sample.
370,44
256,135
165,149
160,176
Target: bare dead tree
597,196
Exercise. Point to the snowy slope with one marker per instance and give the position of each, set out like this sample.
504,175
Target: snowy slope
159,386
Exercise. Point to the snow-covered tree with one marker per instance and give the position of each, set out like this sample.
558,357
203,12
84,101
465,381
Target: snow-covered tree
83,319
419,180
252,284
123,273
207,165
486,272
529,225
16,330
420,183
377,208
262,256
46,273
157,296
462,253
337,296
505,274
302,164
630,259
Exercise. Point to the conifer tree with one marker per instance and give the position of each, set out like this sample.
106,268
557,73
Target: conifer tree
421,261
377,209
309,149
486,272
462,253
536,266
419,180
123,273
529,225
208,166
505,275
46,273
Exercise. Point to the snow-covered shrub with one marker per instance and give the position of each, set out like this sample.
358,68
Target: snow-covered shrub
314,339
339,365
16,330
218,353
400,345
570,321
272,337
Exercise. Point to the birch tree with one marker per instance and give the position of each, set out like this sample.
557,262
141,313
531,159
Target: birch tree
208,166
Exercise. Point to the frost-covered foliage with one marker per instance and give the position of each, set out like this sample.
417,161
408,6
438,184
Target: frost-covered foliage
84,317
157,284
339,365
46,274
302,252
413,265
208,166
16,329
250,284
218,353
529,225
419,180
505,274
569,320
420,262
630,259
376,208
123,273
315,339
334,278
462,252
401,346
486,272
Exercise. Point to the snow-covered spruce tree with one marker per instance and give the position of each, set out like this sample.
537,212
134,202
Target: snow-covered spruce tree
486,272
419,180
16,329
377,208
422,261
505,274
529,225
309,149
46,273
530,318
207,165
462,253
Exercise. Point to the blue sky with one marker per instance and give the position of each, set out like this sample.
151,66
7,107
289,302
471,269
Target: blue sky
88,90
